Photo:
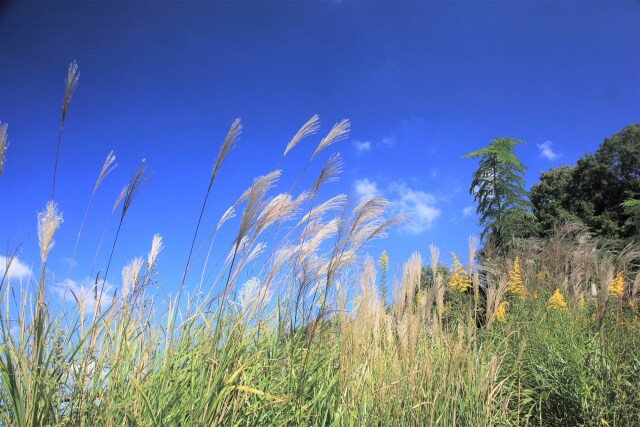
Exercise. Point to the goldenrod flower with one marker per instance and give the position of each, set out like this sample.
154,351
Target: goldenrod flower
459,280
557,302
515,285
616,286
501,312
384,260
581,301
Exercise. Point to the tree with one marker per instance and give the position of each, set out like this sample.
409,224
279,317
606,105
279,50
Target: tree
551,199
595,190
498,188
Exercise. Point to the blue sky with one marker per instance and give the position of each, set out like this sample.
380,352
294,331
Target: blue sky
422,82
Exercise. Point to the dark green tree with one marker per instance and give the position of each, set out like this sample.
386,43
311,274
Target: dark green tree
595,190
632,209
551,199
498,188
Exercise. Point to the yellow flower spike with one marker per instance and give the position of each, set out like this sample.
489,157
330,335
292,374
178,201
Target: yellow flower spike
515,285
557,301
459,280
501,312
581,301
384,260
616,286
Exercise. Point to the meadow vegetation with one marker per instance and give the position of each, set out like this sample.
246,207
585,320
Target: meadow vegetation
542,332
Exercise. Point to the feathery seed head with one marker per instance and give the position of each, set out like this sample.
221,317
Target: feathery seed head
309,128
70,86
329,173
230,213
253,297
339,132
130,276
229,142
138,179
156,247
48,222
254,196
107,167
3,144
336,202
120,197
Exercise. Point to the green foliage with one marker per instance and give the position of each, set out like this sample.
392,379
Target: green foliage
426,278
595,191
550,198
498,188
632,209
570,370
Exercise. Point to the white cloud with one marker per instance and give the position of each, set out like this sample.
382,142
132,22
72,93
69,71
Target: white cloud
419,205
17,269
546,150
361,146
84,292
468,211
366,189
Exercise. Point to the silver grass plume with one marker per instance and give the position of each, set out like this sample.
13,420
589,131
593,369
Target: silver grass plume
336,202
70,86
138,179
329,173
49,221
229,142
309,128
130,277
71,83
156,247
230,213
339,132
437,280
107,167
254,196
3,144
119,198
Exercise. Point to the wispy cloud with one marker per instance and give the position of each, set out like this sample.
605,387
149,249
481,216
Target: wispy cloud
546,150
361,146
17,269
366,189
419,205
468,211
68,290
389,141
